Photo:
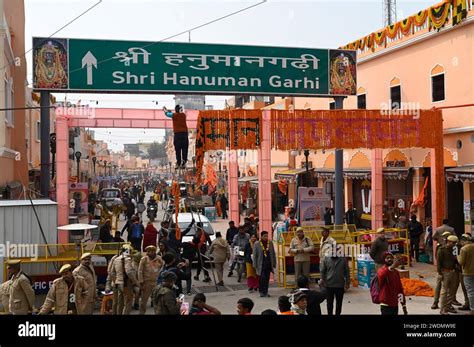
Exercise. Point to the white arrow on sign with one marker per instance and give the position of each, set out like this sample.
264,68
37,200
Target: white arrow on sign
89,60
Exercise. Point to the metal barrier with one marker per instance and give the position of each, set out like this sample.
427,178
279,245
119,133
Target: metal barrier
355,243
341,233
69,252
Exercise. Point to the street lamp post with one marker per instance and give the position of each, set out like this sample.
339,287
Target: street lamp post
306,155
94,161
52,145
78,159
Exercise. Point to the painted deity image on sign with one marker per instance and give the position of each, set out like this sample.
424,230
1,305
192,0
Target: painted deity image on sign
343,78
50,63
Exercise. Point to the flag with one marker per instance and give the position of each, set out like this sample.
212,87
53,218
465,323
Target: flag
459,11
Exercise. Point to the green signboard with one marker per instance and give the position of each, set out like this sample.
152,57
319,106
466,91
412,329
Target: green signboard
78,65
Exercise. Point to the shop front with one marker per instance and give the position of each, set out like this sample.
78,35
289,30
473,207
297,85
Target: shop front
294,179
397,190
460,183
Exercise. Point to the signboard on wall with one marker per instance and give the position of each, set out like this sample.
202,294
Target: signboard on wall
312,205
78,198
84,65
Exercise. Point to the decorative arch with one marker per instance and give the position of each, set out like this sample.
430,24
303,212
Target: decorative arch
359,160
395,82
330,162
448,159
361,90
396,155
438,69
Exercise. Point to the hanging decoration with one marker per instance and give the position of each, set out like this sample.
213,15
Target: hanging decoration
369,41
211,179
406,26
318,129
459,11
438,15
283,186
175,191
380,38
419,19
236,129
392,30
421,199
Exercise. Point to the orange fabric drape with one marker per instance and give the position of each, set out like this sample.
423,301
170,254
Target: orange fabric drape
283,186
304,129
420,200
226,129
177,195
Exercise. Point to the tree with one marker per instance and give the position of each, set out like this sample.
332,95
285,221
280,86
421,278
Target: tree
157,150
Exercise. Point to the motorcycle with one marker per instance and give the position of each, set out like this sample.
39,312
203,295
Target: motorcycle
240,262
152,212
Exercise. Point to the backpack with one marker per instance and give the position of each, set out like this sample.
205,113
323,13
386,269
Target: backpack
136,232
375,289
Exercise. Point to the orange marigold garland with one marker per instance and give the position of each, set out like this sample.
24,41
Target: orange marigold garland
420,18
406,26
392,30
439,15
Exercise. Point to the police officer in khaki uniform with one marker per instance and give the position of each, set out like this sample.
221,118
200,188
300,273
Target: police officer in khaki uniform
439,279
86,270
148,270
110,284
5,296
136,294
447,269
67,295
22,295
125,279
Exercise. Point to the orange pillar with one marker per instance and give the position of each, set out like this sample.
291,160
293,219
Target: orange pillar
377,189
264,177
438,188
62,175
233,187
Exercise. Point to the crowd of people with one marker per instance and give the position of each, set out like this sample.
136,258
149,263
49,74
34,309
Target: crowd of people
156,263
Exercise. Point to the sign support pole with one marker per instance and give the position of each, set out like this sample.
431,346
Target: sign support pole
45,160
339,177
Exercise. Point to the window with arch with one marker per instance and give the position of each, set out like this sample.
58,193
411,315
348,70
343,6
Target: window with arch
395,94
361,98
437,84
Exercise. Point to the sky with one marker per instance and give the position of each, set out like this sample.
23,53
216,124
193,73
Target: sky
290,23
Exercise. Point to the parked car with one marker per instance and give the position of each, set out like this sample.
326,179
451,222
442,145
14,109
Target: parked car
110,196
184,219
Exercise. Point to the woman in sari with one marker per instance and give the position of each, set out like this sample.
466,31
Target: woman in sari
252,278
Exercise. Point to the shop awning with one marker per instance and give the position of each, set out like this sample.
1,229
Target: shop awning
291,173
247,179
254,183
399,173
461,173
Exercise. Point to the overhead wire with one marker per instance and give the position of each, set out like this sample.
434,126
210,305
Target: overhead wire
186,31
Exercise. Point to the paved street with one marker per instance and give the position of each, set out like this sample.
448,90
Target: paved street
356,300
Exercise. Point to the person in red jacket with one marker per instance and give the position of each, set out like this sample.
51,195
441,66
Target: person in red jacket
390,286
150,235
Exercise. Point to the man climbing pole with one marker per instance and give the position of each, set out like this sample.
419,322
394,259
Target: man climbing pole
180,130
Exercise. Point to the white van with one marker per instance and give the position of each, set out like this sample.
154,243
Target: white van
184,219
